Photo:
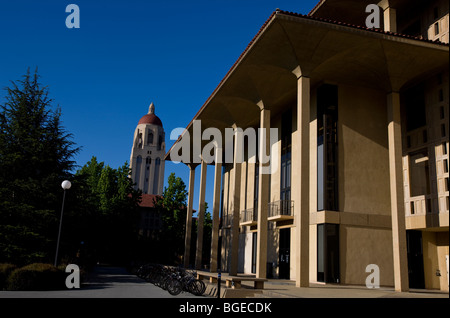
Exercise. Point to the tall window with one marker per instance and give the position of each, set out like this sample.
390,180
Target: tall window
286,147
150,138
156,176
327,151
419,173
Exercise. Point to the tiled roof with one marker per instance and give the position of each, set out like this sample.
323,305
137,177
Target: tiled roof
148,200
360,27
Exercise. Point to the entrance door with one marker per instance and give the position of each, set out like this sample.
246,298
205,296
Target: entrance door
328,270
284,254
415,259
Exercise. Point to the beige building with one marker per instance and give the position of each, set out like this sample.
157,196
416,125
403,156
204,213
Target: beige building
362,176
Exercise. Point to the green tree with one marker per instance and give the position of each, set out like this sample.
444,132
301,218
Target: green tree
114,203
172,208
35,157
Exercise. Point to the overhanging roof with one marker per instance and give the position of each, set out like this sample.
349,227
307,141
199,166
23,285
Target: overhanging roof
322,50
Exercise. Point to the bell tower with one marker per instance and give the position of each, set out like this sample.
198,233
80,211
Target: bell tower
147,154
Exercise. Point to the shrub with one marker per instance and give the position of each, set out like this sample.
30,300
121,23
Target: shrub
5,271
36,277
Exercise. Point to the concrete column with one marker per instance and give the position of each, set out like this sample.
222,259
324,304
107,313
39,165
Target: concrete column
201,216
216,220
235,207
187,242
263,197
397,197
300,182
390,20
390,16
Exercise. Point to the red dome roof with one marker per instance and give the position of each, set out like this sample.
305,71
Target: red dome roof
151,119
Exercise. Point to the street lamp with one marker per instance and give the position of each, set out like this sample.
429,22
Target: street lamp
66,185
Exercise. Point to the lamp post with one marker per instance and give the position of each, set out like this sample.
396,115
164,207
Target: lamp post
66,185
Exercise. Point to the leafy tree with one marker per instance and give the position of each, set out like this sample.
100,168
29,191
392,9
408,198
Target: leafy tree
114,202
35,157
172,208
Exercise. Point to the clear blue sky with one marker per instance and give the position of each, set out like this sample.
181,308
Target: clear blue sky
125,55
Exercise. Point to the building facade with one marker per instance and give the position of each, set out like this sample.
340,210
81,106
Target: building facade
362,138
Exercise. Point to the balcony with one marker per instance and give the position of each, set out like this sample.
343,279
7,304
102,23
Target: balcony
249,217
281,210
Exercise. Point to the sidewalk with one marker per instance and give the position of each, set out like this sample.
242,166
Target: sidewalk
103,282
274,288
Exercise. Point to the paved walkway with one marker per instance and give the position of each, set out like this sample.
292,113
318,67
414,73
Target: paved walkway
277,288
103,282
114,282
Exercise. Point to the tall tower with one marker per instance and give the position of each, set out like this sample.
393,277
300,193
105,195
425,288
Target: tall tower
147,154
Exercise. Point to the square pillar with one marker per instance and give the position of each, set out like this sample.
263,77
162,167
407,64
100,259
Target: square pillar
187,242
235,205
263,195
216,214
300,182
389,16
397,196
390,20
201,216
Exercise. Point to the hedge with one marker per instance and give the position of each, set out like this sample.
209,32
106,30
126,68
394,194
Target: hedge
5,271
36,277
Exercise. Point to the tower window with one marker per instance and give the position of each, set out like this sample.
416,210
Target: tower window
150,138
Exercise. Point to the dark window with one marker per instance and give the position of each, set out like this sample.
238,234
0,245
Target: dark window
419,173
150,138
436,28
414,99
254,251
328,270
286,146
327,148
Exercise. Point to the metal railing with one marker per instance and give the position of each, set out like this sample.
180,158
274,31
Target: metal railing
281,208
249,215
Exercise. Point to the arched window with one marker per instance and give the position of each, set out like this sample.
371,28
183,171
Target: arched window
137,168
156,176
150,138
148,162
160,141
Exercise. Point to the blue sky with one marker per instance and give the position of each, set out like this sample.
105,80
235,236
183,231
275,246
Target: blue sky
125,55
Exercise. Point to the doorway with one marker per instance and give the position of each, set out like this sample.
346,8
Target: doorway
328,270
416,273
284,254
